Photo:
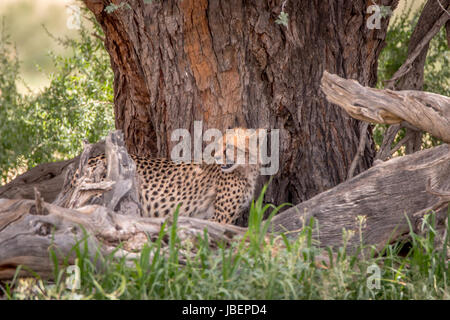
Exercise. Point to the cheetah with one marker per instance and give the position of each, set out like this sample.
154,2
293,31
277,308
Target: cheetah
218,192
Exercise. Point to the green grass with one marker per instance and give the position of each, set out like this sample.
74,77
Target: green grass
258,266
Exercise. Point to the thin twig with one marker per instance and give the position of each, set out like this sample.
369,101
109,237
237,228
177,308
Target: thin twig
405,139
360,151
39,206
440,4
98,36
388,139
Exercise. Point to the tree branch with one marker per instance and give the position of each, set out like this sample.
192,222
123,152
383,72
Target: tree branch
360,151
427,111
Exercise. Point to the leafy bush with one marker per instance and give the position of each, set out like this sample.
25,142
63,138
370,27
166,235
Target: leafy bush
51,125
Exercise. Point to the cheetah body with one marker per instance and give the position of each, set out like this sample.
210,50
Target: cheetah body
207,191
201,190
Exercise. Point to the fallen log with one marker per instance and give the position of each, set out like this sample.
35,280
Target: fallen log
26,238
384,197
48,178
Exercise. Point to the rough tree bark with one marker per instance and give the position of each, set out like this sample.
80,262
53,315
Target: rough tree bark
227,63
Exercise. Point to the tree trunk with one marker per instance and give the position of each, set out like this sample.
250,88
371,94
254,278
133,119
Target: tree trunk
229,64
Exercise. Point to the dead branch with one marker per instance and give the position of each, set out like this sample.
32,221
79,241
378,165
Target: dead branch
61,230
48,178
427,111
389,136
417,53
360,151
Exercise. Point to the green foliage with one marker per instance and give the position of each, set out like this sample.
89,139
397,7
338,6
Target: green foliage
50,125
436,74
396,50
385,11
11,135
436,71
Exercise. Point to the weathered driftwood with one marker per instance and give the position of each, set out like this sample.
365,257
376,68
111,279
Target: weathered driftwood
27,238
117,192
48,178
410,76
427,26
385,196
424,110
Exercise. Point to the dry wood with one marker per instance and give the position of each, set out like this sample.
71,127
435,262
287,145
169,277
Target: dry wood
424,31
48,178
389,136
360,151
118,191
385,195
62,229
424,110
43,226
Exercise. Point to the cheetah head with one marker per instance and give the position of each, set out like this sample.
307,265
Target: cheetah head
239,149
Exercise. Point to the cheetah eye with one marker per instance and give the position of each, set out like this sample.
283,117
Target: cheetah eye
227,166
